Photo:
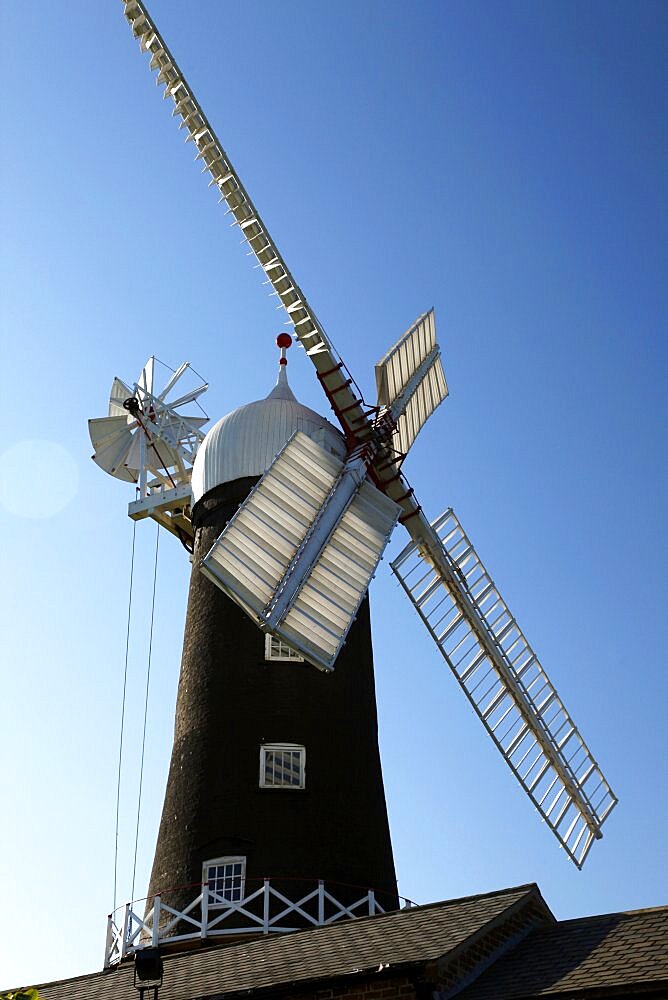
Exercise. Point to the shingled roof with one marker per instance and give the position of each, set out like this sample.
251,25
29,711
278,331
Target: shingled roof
613,954
503,945
380,945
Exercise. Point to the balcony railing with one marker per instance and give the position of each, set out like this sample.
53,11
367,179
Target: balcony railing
210,915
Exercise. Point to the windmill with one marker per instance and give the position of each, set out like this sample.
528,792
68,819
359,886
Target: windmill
146,439
300,539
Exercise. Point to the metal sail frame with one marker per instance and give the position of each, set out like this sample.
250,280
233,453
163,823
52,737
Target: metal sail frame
506,685
339,386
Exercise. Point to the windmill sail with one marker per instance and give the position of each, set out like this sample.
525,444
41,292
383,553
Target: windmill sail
119,393
410,381
112,440
145,380
325,606
506,685
306,594
170,437
215,161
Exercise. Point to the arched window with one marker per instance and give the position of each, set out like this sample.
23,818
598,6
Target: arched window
224,880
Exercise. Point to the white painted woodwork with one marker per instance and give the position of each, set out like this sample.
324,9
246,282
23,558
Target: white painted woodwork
129,930
503,680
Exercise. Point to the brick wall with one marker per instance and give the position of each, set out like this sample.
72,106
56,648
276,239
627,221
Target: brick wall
388,988
230,702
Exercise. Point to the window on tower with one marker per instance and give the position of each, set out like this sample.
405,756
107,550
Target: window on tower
225,879
282,765
276,649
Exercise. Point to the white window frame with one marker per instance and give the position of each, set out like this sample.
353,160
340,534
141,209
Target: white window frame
278,651
278,748
236,859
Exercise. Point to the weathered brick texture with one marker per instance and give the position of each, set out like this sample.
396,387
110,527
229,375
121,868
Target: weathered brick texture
229,703
392,987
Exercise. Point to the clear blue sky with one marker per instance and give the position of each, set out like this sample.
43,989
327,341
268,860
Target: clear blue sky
504,162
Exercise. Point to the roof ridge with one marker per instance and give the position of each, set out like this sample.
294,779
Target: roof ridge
527,886
644,911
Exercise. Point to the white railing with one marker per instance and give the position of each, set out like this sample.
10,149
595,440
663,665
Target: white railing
209,915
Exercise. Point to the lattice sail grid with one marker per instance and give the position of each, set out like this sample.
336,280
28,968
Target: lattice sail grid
507,687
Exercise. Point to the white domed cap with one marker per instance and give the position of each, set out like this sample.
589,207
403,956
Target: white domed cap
246,441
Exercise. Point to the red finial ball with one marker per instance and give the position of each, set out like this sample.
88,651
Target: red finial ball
284,340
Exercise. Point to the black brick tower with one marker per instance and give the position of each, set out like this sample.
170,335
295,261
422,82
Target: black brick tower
231,703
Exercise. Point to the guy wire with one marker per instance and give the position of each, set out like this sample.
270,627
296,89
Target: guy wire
125,684
148,678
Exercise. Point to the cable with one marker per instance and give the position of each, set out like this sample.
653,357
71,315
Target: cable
148,678
125,683
152,445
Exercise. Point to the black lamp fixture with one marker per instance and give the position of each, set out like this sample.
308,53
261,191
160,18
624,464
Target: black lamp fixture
148,971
